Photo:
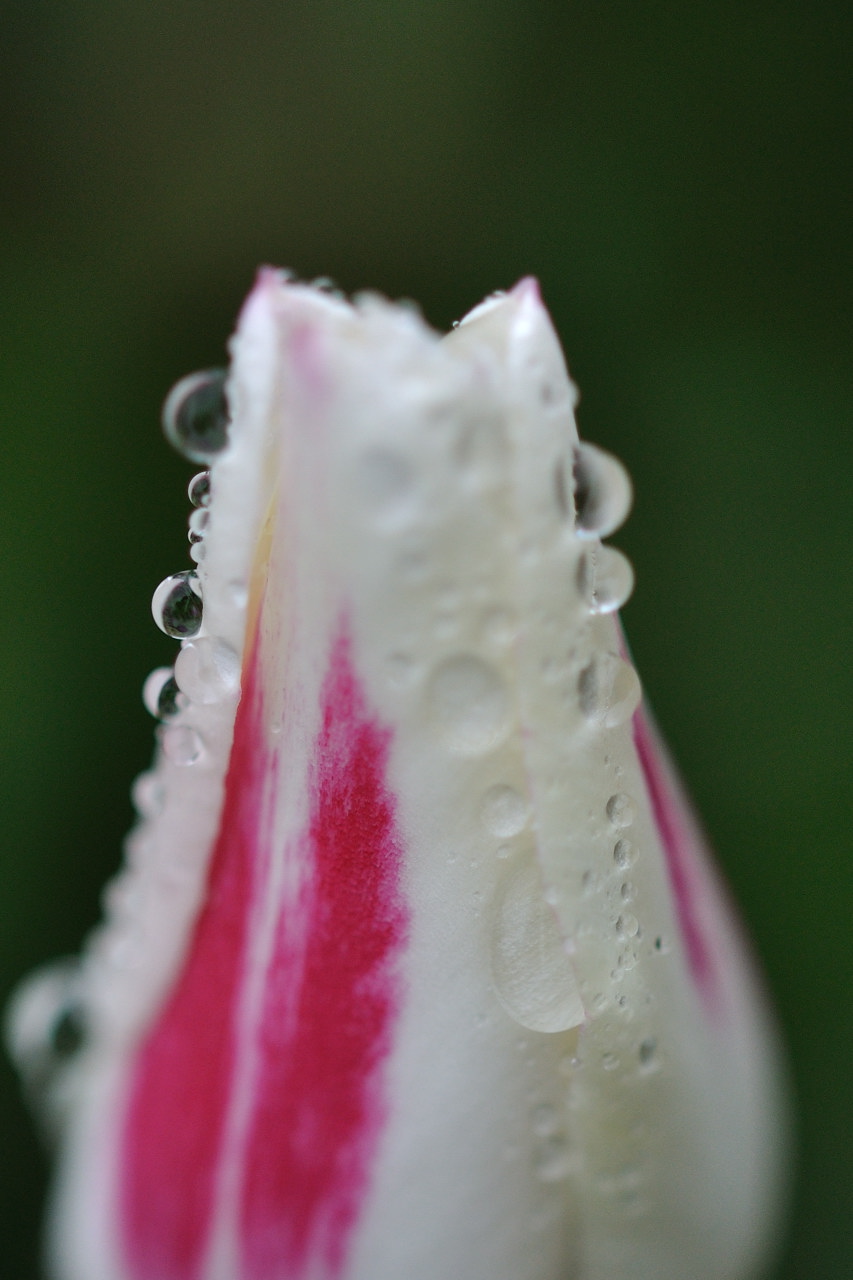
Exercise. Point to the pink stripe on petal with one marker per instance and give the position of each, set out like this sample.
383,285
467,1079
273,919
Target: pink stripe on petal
684,849
182,1078
332,995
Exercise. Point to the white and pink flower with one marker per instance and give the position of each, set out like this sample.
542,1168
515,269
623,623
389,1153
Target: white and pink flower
418,968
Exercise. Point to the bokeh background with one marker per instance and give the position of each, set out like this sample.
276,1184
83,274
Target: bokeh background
677,175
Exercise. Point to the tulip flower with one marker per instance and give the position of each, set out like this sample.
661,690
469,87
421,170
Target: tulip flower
417,968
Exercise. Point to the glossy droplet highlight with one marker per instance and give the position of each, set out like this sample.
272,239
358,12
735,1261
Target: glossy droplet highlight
609,690
605,579
195,415
198,489
207,670
531,968
161,695
176,605
504,812
182,744
468,704
602,491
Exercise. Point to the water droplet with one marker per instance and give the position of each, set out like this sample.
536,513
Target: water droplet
602,490
627,926
45,1023
605,578
545,1120
624,854
239,593
198,489
161,695
530,965
197,524
207,669
627,891
553,1161
609,690
181,744
504,812
147,794
503,850
195,415
468,704
176,605
620,809
197,552
610,1062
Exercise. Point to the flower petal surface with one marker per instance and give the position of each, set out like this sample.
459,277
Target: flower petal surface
418,966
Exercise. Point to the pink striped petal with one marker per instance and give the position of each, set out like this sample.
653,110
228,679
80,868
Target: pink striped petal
418,966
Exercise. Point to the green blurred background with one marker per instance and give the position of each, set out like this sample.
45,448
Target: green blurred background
678,176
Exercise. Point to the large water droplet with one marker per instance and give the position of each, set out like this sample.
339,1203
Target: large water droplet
531,968
469,704
198,489
602,489
504,811
207,669
176,605
195,415
609,690
605,579
161,695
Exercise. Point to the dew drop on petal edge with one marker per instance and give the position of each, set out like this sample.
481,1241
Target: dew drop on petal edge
195,415
161,694
176,605
198,489
602,491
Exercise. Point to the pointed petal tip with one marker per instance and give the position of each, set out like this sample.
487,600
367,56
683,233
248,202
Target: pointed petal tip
526,289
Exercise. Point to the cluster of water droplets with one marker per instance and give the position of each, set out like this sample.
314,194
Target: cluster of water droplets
48,1021
195,421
